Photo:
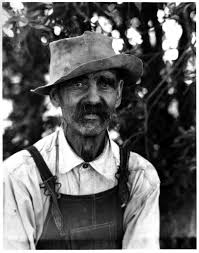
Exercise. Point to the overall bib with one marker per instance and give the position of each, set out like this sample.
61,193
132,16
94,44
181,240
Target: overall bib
79,221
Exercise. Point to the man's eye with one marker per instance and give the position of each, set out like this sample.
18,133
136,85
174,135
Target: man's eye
79,85
104,85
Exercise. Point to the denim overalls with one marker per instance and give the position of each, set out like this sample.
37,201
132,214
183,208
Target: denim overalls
79,221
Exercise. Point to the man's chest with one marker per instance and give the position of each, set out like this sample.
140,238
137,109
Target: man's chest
83,180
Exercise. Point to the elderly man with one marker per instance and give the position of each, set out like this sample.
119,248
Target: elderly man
76,188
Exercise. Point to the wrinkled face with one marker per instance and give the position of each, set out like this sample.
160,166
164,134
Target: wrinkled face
88,102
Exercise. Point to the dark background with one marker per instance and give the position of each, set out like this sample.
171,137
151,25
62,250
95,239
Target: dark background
157,116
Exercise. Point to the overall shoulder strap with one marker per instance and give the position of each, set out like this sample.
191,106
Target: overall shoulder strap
49,183
44,171
124,158
123,175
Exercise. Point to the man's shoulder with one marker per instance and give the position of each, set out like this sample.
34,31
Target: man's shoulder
16,161
21,162
139,167
47,143
143,169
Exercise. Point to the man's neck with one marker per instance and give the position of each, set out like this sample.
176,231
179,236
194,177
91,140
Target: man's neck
86,147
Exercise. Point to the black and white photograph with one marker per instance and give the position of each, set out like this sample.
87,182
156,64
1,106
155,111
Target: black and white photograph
99,125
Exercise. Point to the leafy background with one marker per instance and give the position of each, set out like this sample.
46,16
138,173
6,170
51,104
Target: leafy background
157,116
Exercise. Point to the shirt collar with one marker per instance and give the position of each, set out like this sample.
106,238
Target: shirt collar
105,164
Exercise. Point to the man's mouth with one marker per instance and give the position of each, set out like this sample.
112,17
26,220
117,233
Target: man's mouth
91,116
89,113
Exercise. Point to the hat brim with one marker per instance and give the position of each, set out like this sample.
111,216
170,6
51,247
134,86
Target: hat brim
132,64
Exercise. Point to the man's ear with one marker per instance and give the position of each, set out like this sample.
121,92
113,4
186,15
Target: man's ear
119,93
54,97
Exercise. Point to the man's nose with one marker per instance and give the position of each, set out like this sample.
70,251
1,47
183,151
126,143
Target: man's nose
93,95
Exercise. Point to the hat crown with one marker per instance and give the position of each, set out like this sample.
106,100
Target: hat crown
68,54
81,55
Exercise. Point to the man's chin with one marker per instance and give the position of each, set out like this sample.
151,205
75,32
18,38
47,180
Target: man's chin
91,129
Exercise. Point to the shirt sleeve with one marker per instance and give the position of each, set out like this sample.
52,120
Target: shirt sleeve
22,208
141,216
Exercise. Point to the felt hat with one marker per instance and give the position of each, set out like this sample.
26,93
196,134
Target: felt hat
90,52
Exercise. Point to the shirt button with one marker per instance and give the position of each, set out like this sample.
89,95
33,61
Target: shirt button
85,165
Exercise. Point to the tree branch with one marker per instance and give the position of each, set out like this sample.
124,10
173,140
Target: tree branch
166,77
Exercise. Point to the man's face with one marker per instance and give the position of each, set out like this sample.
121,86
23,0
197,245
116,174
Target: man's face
88,102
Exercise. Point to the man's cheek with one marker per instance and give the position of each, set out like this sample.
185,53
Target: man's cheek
67,113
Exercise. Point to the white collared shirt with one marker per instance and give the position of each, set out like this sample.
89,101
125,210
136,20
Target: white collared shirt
99,175
26,206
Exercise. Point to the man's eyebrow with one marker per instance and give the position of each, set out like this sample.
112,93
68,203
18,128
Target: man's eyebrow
110,79
79,78
108,76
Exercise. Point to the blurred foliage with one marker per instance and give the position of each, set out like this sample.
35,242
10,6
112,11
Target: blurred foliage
144,120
